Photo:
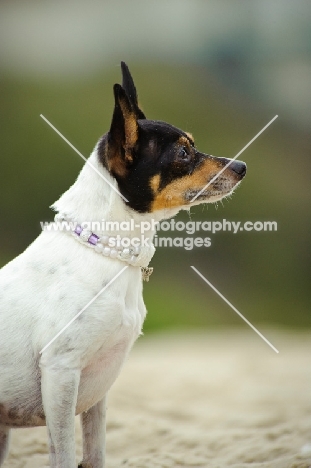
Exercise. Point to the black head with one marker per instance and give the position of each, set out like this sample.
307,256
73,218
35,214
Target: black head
156,164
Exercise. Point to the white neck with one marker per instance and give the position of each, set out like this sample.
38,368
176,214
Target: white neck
91,198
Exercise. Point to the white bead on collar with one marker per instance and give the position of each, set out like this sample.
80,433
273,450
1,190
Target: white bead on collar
139,256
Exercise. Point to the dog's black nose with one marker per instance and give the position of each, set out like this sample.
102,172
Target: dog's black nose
239,167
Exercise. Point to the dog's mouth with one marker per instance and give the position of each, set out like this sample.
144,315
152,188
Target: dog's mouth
209,196
218,189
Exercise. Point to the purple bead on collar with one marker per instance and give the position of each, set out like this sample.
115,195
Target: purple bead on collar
78,229
93,239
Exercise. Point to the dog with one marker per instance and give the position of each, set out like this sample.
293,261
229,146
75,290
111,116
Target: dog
56,362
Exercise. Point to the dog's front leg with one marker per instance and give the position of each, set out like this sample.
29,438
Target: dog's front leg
4,443
52,450
59,387
93,428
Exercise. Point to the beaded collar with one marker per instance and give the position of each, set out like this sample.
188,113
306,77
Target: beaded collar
139,256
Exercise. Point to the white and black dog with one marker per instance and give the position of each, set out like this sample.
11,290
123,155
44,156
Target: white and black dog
151,171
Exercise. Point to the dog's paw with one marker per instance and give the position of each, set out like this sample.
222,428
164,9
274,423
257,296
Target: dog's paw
94,464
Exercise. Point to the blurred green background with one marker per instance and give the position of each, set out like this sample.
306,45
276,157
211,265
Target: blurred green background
220,70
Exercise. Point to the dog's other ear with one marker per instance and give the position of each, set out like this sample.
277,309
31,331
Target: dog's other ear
123,133
130,89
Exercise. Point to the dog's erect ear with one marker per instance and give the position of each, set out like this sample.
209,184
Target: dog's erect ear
123,133
130,89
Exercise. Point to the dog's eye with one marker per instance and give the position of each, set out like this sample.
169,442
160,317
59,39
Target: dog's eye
184,155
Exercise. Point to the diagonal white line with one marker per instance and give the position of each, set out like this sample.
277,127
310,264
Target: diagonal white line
82,310
235,309
81,155
233,159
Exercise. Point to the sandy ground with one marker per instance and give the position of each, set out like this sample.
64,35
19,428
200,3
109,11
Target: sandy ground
210,400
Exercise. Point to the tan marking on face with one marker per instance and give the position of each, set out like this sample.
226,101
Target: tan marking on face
189,135
183,141
172,196
155,183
